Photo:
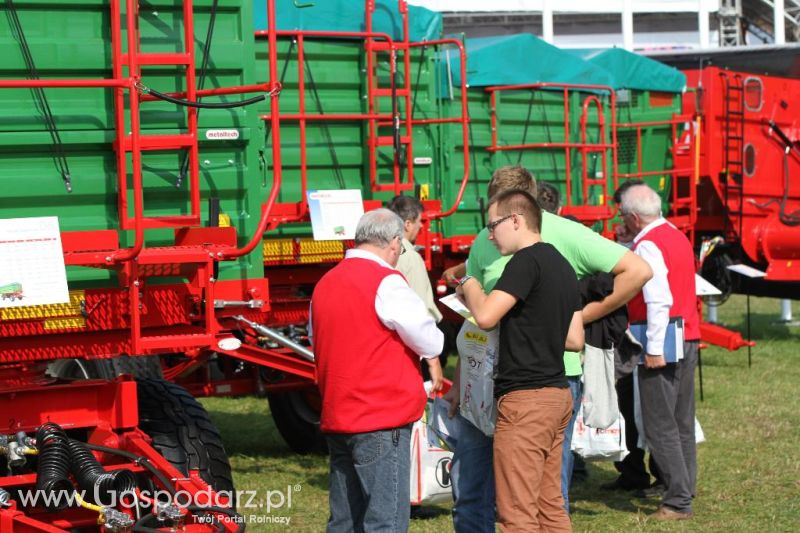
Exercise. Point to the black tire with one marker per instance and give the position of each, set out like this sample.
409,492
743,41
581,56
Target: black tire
297,422
183,432
139,367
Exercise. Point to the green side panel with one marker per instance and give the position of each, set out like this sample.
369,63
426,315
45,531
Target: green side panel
521,59
337,152
632,71
349,16
72,40
524,117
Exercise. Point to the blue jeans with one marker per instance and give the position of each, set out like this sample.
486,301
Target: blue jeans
472,478
567,459
369,481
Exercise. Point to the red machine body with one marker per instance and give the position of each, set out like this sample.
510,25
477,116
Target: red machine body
749,165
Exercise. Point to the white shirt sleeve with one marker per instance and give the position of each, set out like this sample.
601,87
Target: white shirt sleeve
657,296
400,309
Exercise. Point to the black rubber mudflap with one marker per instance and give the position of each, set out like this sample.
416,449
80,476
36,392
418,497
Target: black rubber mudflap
297,422
140,366
183,432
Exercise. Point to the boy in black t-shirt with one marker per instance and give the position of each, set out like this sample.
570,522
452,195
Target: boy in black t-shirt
537,305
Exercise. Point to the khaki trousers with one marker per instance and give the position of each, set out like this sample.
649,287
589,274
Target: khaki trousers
527,459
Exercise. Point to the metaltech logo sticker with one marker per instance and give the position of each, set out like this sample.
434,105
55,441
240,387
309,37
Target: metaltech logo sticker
222,135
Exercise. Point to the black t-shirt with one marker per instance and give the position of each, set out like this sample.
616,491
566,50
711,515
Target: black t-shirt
533,332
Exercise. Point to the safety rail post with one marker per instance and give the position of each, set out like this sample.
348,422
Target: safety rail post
275,88
567,150
301,93
464,121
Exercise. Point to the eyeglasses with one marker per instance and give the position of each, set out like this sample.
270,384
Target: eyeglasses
492,225
400,244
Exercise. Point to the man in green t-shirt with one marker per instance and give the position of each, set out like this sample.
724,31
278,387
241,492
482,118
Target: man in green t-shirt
588,253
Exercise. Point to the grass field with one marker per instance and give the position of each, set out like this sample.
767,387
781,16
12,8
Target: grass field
749,477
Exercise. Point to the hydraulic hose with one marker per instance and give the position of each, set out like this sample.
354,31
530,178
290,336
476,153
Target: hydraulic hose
140,460
94,479
142,525
52,475
202,105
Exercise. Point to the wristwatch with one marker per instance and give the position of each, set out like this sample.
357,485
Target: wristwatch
462,281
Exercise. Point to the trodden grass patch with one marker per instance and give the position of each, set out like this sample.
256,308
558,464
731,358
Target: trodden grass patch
749,466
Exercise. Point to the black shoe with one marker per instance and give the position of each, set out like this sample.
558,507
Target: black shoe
655,491
621,484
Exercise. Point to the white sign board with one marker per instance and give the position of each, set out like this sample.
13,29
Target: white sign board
747,271
31,263
335,213
704,288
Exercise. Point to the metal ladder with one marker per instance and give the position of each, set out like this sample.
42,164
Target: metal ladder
733,170
191,261
401,137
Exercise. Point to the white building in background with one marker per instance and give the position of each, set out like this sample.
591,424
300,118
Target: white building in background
632,24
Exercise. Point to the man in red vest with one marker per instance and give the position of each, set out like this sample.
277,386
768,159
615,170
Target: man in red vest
370,330
666,388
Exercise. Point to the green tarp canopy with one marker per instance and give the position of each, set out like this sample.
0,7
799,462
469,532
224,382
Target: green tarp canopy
632,71
349,16
521,59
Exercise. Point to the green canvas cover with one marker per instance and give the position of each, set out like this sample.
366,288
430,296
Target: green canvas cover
632,71
349,16
521,59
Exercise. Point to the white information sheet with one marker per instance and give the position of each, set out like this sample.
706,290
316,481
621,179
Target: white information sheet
704,288
454,302
747,271
335,213
31,263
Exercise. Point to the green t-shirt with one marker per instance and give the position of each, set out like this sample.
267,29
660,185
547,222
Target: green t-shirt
588,253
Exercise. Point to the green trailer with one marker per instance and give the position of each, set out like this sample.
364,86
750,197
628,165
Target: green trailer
57,145
649,119
347,122
554,116
11,291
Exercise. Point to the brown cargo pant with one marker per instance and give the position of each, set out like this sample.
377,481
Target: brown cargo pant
528,438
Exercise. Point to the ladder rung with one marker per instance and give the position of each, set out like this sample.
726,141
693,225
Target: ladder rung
159,59
388,92
385,187
383,46
161,142
388,140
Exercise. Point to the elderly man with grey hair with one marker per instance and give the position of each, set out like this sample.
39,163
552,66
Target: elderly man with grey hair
370,330
667,303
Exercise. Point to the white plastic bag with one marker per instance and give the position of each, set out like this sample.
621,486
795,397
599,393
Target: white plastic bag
430,465
600,407
699,434
599,444
478,352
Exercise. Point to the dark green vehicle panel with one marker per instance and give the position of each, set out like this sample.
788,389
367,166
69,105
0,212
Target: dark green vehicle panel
73,41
